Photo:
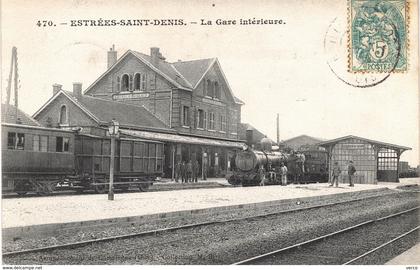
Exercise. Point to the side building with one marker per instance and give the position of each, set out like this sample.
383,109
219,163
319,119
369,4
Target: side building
189,105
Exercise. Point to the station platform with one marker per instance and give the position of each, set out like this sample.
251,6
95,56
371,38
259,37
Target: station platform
409,257
32,211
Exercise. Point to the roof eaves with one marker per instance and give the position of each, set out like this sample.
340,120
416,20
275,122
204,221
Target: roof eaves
207,70
364,139
227,83
106,72
159,71
83,108
179,73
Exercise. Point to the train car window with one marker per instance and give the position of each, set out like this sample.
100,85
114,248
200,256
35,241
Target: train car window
62,144
66,144
20,144
11,140
59,144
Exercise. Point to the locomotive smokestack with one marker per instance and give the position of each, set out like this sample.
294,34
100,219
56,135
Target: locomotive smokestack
249,136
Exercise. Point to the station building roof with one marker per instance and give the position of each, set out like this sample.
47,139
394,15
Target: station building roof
103,111
185,75
379,143
165,137
8,115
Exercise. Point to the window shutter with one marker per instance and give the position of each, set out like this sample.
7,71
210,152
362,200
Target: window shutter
181,112
195,118
205,120
130,87
143,81
118,84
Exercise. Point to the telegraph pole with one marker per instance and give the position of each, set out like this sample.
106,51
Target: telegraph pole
278,131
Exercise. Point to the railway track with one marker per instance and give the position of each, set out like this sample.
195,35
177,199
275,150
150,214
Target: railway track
174,228
299,249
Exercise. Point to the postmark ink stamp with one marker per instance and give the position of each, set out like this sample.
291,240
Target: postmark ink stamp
378,36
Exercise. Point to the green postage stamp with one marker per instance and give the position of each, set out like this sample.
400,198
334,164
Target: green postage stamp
378,35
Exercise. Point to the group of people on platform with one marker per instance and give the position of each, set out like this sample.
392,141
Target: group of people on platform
188,172
336,171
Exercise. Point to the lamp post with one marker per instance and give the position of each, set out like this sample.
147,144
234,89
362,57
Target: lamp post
113,129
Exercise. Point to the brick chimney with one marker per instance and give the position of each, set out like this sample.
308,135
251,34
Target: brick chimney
77,89
112,56
56,88
155,55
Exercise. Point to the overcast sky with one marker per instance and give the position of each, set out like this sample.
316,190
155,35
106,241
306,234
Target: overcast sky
273,68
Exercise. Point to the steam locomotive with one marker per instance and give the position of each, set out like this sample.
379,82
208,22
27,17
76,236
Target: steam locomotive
252,167
43,160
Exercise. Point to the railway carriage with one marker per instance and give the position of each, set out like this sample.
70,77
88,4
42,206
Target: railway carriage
42,160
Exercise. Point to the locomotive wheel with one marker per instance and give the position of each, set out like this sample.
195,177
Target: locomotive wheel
100,189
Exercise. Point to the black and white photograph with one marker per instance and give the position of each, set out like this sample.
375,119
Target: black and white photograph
210,133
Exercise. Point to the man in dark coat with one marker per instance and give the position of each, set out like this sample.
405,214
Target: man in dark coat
177,171
351,171
184,172
195,170
189,171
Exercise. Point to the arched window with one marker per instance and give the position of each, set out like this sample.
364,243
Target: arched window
216,90
137,81
63,115
125,82
210,90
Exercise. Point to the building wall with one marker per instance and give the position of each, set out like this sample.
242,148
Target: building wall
75,116
158,95
155,97
200,99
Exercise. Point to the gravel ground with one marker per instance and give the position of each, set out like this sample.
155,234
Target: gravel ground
229,242
88,233
357,242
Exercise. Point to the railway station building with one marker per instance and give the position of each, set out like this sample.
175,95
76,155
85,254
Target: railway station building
374,160
188,105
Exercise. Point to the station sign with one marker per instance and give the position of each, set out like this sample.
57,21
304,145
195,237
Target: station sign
131,95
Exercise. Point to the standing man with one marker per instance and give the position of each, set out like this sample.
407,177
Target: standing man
189,171
183,172
351,171
283,172
205,168
195,170
335,174
177,171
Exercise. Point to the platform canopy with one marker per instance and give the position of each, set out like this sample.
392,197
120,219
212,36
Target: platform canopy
175,138
373,142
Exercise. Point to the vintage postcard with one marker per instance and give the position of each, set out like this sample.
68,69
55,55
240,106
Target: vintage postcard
210,133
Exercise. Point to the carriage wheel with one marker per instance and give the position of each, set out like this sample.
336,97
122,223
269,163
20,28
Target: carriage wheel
100,189
144,187
21,193
124,187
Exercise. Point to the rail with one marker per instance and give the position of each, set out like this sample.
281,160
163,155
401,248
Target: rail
169,229
298,245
